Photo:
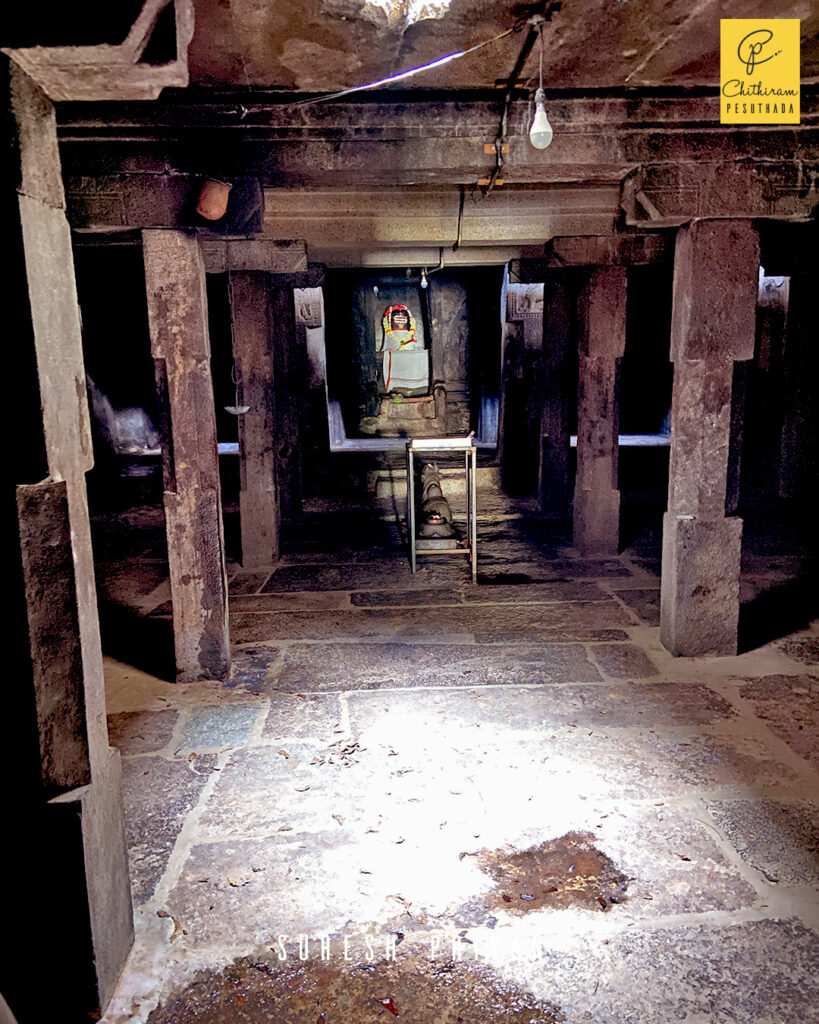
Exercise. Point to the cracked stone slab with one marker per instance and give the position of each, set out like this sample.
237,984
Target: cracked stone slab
371,666
789,705
158,796
780,840
141,732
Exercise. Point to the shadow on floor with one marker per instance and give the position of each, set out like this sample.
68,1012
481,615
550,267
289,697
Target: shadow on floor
778,611
144,642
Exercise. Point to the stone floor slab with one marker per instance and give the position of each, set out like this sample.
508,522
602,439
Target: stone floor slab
789,705
756,972
159,794
218,727
564,622
400,598
644,603
372,666
779,840
623,661
599,707
141,732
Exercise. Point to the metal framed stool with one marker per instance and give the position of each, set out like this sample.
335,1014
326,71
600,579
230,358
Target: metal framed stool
449,546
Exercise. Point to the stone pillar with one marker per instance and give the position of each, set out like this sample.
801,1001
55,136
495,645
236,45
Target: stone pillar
521,387
251,316
63,799
602,343
290,371
799,466
178,321
553,477
716,270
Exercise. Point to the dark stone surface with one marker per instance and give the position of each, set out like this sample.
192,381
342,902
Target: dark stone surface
531,592
370,666
158,796
54,635
549,570
251,668
375,575
623,661
287,601
644,603
247,582
803,648
141,732
398,598
557,622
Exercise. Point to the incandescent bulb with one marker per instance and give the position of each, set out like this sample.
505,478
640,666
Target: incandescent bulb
424,282
540,134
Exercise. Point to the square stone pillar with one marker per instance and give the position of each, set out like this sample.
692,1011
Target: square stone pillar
716,271
290,372
558,319
180,345
602,343
521,387
63,801
251,322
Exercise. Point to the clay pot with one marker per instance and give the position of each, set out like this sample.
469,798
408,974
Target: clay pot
213,199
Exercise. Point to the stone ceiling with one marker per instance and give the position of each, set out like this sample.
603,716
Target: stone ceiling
324,45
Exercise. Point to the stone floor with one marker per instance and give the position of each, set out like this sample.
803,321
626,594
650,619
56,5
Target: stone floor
510,783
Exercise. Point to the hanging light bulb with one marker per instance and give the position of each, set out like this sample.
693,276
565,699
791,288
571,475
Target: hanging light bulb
424,282
540,133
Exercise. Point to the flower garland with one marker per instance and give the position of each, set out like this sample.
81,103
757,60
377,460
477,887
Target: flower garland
403,337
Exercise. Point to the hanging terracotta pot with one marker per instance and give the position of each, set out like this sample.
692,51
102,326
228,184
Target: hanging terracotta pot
213,199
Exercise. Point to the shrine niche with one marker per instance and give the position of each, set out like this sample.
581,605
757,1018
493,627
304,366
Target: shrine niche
405,361
410,361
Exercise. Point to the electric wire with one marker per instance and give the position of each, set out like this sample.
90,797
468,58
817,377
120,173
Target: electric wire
408,74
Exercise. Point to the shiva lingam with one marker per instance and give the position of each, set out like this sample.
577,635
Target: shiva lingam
436,515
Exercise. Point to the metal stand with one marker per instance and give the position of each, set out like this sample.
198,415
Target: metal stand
431,445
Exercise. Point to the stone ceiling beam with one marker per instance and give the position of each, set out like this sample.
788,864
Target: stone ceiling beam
107,72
